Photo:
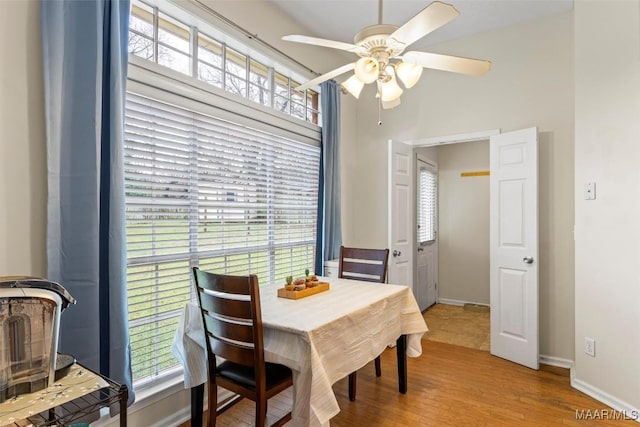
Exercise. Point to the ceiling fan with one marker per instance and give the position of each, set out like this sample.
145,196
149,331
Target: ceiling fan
382,58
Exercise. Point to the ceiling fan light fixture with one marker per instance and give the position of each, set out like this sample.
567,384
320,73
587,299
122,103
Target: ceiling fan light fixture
409,74
382,56
354,86
367,69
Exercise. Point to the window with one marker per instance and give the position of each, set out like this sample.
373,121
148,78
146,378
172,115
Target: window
219,182
160,38
260,86
210,61
203,191
427,199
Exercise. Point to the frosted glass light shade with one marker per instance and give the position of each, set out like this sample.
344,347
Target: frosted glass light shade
391,104
367,69
389,90
353,85
409,74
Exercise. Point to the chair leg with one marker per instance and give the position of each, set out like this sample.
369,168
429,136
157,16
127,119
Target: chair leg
261,412
352,386
378,369
213,403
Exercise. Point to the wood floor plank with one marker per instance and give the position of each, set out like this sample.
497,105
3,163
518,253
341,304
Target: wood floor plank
450,386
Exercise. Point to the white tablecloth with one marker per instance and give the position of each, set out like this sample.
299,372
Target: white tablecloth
322,338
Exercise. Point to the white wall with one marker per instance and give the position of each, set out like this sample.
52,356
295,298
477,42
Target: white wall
607,149
463,221
22,142
530,84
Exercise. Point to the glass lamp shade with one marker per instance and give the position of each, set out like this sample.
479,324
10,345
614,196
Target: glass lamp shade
389,90
353,85
409,74
391,104
367,69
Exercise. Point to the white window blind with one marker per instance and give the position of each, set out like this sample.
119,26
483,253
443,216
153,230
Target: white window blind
202,191
427,199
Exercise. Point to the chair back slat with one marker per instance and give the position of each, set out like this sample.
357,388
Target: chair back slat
231,314
231,351
225,306
232,329
369,265
224,283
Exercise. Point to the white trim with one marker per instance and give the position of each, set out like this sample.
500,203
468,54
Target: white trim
453,139
459,302
556,361
604,397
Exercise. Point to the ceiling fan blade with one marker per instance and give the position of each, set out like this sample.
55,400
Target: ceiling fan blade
429,19
326,76
455,64
325,43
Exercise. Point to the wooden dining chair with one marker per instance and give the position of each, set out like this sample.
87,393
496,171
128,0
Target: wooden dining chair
230,307
369,265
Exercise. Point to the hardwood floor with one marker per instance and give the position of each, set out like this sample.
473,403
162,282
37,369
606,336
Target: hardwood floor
450,386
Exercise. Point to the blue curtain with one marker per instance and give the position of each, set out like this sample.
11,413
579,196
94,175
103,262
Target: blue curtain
85,67
329,229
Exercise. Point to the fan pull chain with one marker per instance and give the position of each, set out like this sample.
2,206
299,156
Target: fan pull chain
380,111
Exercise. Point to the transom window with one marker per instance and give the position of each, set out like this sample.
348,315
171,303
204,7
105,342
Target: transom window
157,37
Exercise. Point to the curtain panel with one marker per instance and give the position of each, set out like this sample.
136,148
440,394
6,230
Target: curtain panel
329,230
85,66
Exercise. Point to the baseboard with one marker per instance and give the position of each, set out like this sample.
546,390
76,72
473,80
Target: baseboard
613,402
179,417
142,413
458,302
556,361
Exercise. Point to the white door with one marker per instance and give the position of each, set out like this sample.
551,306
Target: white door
401,214
514,246
427,233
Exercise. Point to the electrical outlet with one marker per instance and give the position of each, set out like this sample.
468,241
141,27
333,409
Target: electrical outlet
590,346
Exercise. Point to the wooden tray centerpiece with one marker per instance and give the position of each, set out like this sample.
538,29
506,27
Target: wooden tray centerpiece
302,287
319,287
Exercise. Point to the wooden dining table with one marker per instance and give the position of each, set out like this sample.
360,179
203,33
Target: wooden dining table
322,338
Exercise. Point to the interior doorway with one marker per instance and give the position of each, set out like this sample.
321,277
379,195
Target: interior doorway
513,230
462,244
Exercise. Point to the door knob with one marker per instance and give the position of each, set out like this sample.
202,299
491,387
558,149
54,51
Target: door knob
396,253
420,249
528,260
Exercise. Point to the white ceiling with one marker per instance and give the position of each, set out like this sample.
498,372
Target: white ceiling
341,20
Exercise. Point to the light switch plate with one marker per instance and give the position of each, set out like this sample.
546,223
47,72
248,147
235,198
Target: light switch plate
590,191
